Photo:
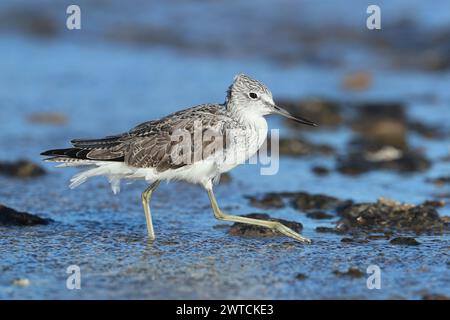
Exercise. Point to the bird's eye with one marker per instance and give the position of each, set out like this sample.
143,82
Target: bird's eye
253,95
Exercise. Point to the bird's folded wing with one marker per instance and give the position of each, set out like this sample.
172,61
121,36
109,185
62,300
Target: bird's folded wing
174,145
168,143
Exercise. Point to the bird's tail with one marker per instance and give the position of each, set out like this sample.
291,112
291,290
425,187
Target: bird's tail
114,171
102,169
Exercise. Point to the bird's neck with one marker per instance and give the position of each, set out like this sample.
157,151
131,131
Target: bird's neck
242,115
256,123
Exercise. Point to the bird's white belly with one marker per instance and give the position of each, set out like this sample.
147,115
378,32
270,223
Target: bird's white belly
198,172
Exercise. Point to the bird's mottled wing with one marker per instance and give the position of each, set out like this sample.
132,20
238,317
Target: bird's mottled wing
157,144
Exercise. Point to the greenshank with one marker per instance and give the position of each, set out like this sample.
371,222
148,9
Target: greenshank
195,145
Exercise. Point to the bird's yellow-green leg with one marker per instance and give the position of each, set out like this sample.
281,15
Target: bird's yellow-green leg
277,226
146,196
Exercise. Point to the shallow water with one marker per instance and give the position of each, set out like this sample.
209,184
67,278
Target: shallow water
107,88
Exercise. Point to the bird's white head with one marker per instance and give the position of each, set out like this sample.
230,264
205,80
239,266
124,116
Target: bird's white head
247,96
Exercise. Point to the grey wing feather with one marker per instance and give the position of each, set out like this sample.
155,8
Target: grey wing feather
106,142
150,144
154,143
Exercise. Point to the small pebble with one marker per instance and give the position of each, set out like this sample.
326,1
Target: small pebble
301,276
351,272
22,282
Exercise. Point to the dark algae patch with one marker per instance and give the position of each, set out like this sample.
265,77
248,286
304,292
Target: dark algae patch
241,229
11,217
386,214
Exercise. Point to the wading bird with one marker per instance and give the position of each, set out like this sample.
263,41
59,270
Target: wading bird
152,150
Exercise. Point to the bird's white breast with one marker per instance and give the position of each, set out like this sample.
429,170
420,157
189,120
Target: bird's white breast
245,143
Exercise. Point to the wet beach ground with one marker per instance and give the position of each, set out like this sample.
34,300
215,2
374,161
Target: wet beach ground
382,102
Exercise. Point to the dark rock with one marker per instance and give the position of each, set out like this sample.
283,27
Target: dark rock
301,276
351,272
268,200
11,217
247,230
385,159
21,169
305,201
325,113
388,215
404,241
320,171
319,215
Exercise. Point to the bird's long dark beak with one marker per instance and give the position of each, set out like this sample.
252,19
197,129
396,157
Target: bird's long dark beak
278,110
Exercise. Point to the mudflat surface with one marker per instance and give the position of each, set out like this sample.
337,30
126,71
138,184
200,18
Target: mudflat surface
104,86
